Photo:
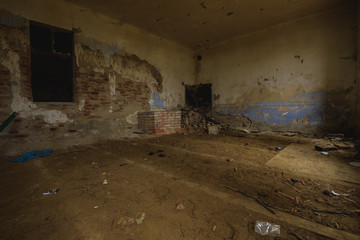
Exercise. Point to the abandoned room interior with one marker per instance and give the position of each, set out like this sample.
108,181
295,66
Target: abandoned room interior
193,119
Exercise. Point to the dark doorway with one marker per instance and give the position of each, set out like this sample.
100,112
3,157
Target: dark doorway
51,63
198,96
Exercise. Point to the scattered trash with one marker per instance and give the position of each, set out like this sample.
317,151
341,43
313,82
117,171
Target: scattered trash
126,221
265,228
278,148
325,153
140,133
162,155
294,180
180,207
325,148
335,193
235,169
355,164
50,192
356,212
96,206
344,145
31,155
213,130
228,160
327,193
335,135
295,210
290,134
151,153
265,205
95,165
295,235
285,195
8,120
244,130
262,194
123,164
140,216
105,182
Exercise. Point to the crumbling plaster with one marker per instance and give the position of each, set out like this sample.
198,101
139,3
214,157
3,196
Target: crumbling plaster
11,60
119,71
358,70
106,34
297,75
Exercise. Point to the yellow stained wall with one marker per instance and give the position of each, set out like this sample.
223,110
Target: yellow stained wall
297,75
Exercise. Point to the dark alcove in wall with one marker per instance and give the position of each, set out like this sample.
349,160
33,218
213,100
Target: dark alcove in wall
51,63
198,96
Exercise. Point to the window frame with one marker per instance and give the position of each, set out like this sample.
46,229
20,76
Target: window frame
53,53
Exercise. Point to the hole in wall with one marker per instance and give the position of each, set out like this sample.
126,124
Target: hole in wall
198,96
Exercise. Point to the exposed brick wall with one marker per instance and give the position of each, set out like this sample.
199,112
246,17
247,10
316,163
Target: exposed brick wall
96,111
160,122
93,88
5,92
25,76
130,91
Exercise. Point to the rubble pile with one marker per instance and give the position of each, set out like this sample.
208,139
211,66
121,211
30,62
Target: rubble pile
200,121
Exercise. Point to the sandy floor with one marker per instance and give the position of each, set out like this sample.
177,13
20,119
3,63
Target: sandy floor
179,182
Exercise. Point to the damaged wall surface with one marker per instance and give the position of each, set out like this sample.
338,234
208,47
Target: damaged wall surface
300,75
358,73
119,70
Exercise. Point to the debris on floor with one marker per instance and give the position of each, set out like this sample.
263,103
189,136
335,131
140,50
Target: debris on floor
355,164
196,168
325,148
50,192
140,216
31,155
200,121
180,206
213,130
267,229
126,221
291,134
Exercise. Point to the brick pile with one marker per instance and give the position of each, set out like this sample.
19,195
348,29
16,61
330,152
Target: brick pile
160,122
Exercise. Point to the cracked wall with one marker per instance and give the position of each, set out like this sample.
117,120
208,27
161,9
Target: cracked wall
358,72
118,72
298,75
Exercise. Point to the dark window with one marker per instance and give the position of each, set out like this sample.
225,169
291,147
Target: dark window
198,96
51,63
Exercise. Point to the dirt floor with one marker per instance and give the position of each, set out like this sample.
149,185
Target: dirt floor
188,186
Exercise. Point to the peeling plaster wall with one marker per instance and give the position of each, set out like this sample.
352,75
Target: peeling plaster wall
358,71
173,61
298,75
119,71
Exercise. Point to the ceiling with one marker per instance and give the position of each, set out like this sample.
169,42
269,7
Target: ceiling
201,23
